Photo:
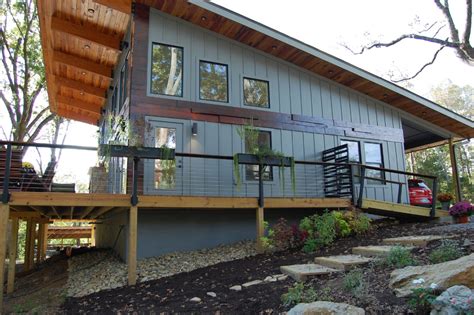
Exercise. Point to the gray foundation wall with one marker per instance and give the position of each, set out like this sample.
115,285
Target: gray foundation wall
112,233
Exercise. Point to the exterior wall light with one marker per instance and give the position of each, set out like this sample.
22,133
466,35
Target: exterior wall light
194,129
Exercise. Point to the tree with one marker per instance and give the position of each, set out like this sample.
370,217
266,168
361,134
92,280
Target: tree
22,71
434,33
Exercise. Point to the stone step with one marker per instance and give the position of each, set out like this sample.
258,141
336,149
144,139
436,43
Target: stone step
342,262
302,272
416,240
375,250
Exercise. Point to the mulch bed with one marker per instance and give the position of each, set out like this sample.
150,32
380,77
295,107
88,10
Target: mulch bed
173,294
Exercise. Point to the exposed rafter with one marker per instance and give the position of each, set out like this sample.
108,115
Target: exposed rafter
81,87
124,6
86,32
87,107
83,64
90,119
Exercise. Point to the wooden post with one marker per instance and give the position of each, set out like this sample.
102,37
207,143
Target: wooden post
132,246
92,235
26,263
260,229
454,169
4,214
40,242
45,242
31,248
12,250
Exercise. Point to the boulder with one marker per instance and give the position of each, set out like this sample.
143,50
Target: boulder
325,308
445,275
455,300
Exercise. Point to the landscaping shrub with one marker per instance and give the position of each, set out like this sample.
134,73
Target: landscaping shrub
421,298
299,293
342,226
321,231
283,236
448,250
353,281
399,257
358,222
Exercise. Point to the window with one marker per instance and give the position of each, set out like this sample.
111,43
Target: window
373,157
354,156
166,70
213,82
251,171
256,93
165,170
123,84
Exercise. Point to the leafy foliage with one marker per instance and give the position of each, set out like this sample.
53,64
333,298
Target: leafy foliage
354,283
299,293
421,299
399,257
283,236
448,250
321,231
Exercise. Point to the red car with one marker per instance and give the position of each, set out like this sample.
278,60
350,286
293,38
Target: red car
420,193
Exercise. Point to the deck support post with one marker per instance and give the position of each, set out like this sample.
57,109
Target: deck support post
12,253
92,235
4,214
260,229
40,242
26,263
455,170
132,246
44,245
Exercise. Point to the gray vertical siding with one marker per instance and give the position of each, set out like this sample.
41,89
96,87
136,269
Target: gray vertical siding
112,233
292,91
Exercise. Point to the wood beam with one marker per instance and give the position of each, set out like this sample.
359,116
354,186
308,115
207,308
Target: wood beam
83,64
81,87
101,211
455,170
24,214
86,212
85,106
260,229
86,32
45,242
12,251
60,199
31,248
90,119
40,242
93,235
132,246
4,214
124,6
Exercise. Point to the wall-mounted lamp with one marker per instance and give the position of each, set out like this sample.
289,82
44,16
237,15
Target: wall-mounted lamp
194,129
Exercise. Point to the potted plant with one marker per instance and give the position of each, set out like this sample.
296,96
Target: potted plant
461,211
445,199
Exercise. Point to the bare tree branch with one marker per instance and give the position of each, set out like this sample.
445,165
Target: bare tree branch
39,127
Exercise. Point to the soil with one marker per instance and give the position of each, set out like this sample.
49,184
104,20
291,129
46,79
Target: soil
173,294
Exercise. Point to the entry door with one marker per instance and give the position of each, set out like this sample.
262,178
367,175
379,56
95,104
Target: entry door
165,177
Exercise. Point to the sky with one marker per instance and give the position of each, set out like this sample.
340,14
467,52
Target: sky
327,25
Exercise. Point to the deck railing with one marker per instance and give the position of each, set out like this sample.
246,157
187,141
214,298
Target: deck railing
193,174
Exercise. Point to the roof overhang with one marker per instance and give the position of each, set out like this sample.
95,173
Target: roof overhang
81,43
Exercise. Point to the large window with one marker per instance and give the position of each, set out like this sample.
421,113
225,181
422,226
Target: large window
251,171
213,82
373,157
256,93
166,70
123,84
165,170
354,156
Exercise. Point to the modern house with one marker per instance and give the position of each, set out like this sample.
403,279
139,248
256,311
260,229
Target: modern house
186,76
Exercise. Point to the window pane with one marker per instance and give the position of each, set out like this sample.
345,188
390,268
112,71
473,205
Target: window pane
212,81
251,171
167,70
165,170
256,93
354,150
373,153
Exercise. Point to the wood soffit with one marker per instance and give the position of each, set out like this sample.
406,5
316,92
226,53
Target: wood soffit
81,43
274,45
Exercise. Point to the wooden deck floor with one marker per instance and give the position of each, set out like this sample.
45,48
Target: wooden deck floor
394,209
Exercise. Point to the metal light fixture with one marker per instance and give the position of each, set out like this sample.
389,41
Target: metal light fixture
194,129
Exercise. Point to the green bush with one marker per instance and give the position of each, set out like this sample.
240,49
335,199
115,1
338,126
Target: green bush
399,257
421,299
299,293
360,223
448,250
353,280
343,228
321,231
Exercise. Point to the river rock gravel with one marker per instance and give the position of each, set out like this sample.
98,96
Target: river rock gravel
100,270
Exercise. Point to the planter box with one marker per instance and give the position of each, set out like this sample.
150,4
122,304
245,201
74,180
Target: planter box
141,152
251,159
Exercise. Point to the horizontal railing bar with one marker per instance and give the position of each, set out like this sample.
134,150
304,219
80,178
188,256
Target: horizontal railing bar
47,145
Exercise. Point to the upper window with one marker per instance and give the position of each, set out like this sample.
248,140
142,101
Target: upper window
373,157
166,70
123,84
256,93
354,150
251,171
213,82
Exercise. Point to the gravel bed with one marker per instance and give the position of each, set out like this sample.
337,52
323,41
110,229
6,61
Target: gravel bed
100,270
465,227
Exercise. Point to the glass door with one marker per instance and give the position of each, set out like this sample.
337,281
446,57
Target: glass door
164,177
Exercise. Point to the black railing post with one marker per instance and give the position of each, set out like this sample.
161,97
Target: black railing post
134,199
362,186
352,183
434,194
6,179
400,191
260,186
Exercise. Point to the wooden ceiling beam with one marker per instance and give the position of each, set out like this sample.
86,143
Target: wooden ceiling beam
85,106
86,32
81,87
83,64
89,119
124,6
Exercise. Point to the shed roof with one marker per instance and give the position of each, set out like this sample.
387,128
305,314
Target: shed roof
233,26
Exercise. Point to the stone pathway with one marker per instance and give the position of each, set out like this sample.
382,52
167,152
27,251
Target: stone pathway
361,255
